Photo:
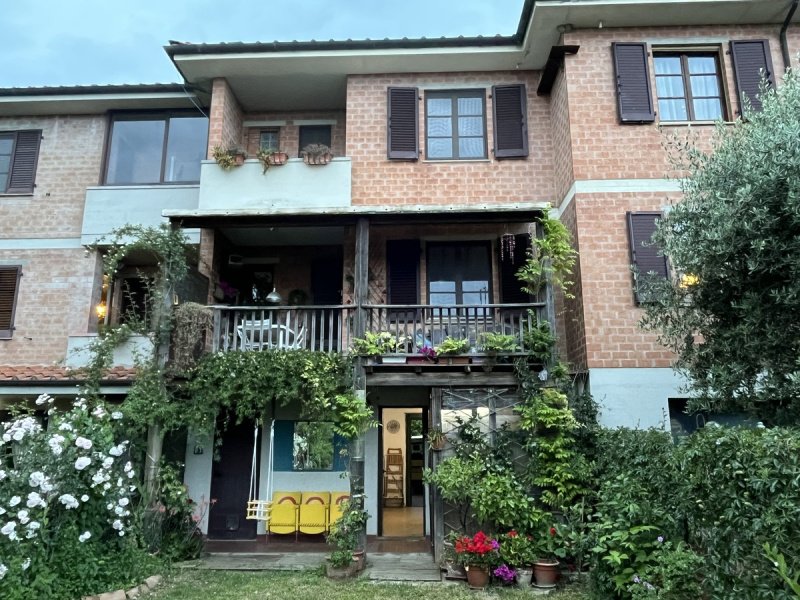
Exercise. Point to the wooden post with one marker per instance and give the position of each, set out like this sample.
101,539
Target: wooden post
437,508
361,296
155,442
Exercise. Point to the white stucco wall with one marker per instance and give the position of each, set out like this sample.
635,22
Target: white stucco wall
197,473
636,398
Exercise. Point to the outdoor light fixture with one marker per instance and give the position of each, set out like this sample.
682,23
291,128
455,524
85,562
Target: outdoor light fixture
101,310
274,297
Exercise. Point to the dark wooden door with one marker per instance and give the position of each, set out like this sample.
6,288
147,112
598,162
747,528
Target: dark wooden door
230,485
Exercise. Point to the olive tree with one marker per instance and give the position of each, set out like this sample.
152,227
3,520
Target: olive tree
731,313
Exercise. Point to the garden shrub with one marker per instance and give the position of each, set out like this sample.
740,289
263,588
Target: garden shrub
68,517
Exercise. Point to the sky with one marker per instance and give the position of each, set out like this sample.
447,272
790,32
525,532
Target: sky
79,42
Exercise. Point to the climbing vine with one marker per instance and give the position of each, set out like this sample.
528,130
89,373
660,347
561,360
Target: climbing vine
550,257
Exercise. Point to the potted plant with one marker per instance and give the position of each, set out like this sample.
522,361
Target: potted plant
316,154
269,158
478,554
425,354
228,158
451,347
494,343
518,551
381,346
545,568
436,438
346,535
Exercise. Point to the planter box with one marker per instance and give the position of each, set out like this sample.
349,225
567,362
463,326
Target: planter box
392,359
455,360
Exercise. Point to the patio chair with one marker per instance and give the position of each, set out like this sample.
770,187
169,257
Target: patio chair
314,508
337,499
285,512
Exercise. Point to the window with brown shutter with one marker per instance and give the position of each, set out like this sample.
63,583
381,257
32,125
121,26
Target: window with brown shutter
9,284
751,62
19,153
634,100
645,255
512,256
402,261
403,125
510,121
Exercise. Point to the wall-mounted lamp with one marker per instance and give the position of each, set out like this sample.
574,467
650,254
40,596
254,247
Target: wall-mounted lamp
274,297
198,449
101,310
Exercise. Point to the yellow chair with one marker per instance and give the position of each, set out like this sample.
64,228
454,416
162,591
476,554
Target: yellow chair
284,514
337,499
314,508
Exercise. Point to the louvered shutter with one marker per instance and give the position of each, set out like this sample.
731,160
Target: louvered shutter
510,121
9,280
634,100
645,255
403,125
23,165
751,60
402,259
511,287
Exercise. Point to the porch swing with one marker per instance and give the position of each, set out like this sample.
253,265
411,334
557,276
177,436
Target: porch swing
260,510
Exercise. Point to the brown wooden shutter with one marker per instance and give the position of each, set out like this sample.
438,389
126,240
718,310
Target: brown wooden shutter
634,100
645,255
510,121
9,280
23,165
511,287
751,60
403,125
402,259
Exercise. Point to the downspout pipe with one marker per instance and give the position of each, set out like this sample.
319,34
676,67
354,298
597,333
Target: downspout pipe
787,59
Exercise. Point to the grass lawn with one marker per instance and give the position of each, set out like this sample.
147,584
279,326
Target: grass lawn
302,585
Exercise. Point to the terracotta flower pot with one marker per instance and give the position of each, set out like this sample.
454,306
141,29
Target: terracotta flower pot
278,158
546,573
477,577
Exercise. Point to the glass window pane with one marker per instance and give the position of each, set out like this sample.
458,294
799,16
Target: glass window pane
443,286
672,110
668,65
136,151
268,140
6,145
702,64
5,167
186,147
312,447
440,299
440,148
470,106
439,126
470,147
669,87
707,109
705,85
440,107
476,292
470,126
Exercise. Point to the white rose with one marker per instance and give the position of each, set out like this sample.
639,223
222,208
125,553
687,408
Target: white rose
99,412
123,502
8,528
119,510
69,501
14,501
82,462
107,462
117,524
2,474
116,415
36,479
116,451
84,498
26,563
65,427
3,570
82,442
34,500
23,516
84,536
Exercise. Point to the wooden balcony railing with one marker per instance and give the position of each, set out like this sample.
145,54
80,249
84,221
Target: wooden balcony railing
330,328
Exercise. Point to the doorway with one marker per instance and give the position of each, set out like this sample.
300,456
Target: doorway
230,484
402,495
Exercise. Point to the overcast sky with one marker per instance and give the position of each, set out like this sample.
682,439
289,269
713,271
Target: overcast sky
69,42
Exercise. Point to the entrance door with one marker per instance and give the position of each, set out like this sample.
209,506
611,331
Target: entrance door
230,485
326,289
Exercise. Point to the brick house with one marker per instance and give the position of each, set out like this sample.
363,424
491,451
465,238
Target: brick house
444,154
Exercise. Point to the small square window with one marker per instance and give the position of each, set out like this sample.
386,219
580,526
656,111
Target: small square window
315,134
455,125
689,86
269,140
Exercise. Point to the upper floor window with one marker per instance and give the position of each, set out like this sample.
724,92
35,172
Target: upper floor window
151,149
269,140
689,86
455,124
314,134
19,153
9,287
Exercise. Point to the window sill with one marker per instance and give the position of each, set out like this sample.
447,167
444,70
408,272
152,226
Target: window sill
7,195
692,123
434,161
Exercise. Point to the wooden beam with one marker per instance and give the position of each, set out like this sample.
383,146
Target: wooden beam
444,379
550,71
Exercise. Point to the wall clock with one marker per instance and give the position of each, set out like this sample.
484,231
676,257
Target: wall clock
393,426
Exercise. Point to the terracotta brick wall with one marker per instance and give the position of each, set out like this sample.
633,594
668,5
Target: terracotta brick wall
53,301
225,117
561,129
377,180
570,311
289,134
70,158
604,149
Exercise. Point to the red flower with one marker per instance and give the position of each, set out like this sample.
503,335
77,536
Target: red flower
512,534
553,531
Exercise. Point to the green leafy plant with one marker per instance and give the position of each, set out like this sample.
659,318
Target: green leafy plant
792,580
497,343
228,158
347,534
384,342
539,341
437,438
517,549
674,572
269,157
451,346
550,258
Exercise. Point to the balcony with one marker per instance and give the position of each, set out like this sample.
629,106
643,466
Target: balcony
293,185
330,328
110,207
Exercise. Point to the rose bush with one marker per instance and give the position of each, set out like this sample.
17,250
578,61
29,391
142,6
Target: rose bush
69,525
